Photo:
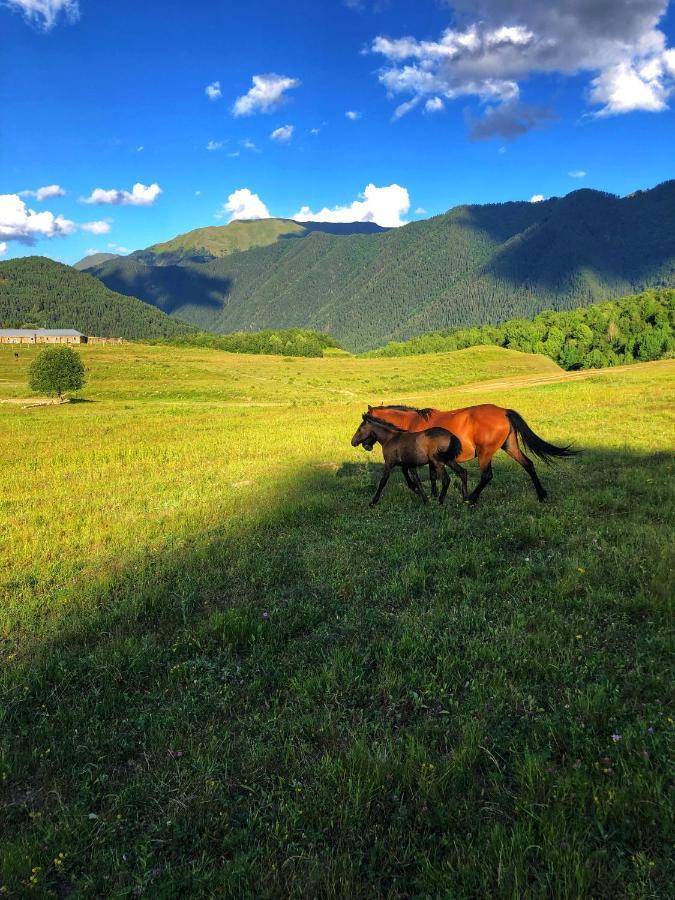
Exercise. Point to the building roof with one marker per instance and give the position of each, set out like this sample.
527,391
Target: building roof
46,332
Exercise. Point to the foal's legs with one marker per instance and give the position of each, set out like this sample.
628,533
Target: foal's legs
511,447
383,481
420,489
408,480
485,463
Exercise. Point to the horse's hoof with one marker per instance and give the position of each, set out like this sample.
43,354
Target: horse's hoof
542,498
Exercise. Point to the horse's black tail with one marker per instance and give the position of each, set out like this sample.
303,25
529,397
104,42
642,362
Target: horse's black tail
452,451
541,448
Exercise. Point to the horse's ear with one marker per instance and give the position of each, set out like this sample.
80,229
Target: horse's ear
370,408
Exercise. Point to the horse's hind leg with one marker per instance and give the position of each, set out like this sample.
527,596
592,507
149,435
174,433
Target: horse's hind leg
461,474
432,479
445,481
485,463
511,447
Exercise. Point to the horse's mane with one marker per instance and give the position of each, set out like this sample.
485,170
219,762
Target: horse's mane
425,413
369,417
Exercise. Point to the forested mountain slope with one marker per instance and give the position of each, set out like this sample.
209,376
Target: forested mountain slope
37,292
472,265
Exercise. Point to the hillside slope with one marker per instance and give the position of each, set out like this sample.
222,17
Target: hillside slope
472,265
93,259
39,292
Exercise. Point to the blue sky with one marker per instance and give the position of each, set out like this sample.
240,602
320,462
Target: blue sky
454,102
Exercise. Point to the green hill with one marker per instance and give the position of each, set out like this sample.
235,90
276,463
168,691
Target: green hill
216,241
35,291
472,265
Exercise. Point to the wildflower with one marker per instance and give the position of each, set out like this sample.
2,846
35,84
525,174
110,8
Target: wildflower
578,636
650,730
265,615
581,569
616,738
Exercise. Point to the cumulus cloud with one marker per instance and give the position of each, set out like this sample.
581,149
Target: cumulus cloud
497,44
243,204
382,205
579,173
213,91
282,134
44,193
19,223
434,104
266,94
100,227
214,145
3,247
46,13
353,115
420,211
118,248
140,195
537,198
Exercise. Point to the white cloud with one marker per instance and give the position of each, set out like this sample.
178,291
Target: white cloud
314,130
266,94
283,134
434,104
383,205
140,149
100,227
44,193
248,144
45,13
18,223
497,44
118,248
91,251
214,145
353,115
140,195
213,91
579,173
3,248
420,211
243,204
537,198
233,154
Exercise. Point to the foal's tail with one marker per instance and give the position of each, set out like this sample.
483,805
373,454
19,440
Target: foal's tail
541,448
452,451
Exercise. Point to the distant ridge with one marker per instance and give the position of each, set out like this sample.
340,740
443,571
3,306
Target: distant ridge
469,266
94,259
214,241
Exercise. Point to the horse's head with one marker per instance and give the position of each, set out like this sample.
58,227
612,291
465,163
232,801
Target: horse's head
364,435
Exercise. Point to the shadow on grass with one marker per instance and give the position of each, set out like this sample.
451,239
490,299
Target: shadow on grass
325,700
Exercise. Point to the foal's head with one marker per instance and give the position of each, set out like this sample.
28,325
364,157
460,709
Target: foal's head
371,430
364,435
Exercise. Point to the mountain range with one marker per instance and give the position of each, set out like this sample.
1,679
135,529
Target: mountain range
471,265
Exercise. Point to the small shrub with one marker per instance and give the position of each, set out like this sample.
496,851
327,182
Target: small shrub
56,370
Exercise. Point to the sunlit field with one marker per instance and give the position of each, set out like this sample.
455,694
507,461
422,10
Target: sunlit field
222,674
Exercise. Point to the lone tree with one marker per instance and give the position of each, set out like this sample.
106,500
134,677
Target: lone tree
56,370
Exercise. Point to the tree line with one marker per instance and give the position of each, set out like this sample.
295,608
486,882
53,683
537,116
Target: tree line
277,342
638,328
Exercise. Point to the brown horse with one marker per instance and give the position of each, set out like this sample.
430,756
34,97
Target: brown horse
434,447
482,430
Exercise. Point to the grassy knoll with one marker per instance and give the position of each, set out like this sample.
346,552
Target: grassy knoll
221,674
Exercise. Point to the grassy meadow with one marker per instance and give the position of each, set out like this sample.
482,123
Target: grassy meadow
223,675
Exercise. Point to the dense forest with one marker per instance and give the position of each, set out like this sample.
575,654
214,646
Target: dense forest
633,329
288,342
472,265
36,292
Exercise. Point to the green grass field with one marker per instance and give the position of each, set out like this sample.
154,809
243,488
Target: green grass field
223,675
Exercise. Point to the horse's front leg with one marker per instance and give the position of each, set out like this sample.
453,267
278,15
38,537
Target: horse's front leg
461,474
380,487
